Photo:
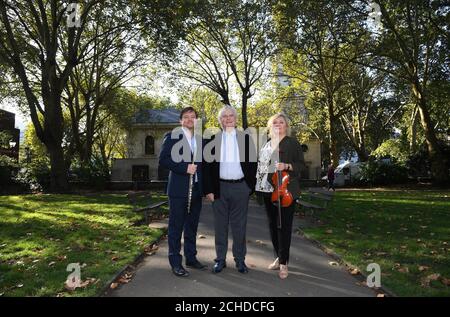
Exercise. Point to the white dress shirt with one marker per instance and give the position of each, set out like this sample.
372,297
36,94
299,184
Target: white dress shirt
192,144
230,164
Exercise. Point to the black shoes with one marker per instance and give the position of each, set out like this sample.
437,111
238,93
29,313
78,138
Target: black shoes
180,271
195,265
219,266
242,268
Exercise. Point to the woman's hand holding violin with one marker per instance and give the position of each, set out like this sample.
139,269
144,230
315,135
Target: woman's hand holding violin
282,166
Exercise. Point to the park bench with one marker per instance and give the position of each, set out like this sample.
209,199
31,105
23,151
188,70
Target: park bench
309,196
149,209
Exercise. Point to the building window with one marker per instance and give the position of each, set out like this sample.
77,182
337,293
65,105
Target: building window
149,145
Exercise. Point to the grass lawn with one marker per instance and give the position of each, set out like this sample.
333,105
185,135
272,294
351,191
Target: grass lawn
41,234
407,232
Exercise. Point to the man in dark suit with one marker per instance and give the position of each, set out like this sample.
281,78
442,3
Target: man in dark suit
184,189
230,178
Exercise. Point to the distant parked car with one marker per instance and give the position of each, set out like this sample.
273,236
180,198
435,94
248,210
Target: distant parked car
345,173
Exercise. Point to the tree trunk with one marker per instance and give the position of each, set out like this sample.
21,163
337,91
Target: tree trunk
334,155
362,153
413,142
58,171
244,111
439,169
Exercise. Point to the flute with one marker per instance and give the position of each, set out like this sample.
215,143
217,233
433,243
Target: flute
191,185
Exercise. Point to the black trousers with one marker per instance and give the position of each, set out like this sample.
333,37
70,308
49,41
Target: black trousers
181,221
281,238
331,184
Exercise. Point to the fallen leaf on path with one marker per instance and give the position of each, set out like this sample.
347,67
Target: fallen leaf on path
123,280
354,272
202,236
114,285
381,295
333,263
425,282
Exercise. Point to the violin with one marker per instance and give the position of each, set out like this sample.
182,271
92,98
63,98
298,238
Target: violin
281,196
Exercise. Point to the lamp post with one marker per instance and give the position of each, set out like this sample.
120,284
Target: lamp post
12,150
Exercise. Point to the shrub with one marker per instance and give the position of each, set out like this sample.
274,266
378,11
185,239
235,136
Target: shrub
377,173
8,168
35,176
95,175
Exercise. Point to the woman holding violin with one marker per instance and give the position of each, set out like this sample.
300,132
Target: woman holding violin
279,165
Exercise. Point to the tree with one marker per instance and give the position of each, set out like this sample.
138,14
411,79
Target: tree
414,40
320,40
228,40
41,52
111,60
371,114
30,43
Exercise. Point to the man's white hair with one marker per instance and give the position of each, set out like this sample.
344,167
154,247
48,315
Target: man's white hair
225,109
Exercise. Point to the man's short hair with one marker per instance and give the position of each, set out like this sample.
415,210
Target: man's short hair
188,109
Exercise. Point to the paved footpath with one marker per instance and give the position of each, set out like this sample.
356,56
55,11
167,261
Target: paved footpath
310,273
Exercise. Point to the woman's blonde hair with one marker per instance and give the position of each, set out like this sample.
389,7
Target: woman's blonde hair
273,118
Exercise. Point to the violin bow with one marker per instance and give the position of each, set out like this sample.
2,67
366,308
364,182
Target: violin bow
279,200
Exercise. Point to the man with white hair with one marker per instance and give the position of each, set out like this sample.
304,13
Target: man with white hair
228,183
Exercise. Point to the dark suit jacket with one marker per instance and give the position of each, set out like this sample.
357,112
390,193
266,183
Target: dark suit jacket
178,183
248,158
